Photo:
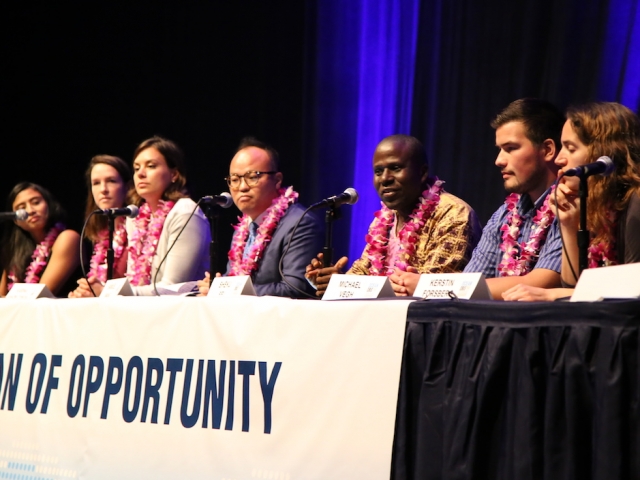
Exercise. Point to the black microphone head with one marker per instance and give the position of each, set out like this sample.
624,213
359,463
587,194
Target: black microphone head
353,195
610,166
21,215
602,166
133,211
224,200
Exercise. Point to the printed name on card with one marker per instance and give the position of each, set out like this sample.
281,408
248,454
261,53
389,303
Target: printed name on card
29,291
469,286
117,287
343,287
231,286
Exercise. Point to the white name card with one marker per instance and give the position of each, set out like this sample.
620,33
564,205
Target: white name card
231,286
468,286
117,287
618,281
357,287
29,291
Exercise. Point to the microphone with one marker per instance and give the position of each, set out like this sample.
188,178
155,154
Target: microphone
131,211
18,215
604,166
349,196
223,200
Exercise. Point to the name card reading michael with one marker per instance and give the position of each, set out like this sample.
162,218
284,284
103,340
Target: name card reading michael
469,286
357,287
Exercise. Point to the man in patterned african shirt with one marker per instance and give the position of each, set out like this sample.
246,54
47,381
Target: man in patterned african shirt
421,228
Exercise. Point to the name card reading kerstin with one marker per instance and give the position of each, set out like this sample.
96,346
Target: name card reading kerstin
231,286
29,291
357,287
468,286
117,287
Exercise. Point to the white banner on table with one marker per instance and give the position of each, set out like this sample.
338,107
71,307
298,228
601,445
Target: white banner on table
239,388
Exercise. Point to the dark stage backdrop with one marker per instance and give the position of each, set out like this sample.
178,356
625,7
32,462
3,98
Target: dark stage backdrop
83,78
322,80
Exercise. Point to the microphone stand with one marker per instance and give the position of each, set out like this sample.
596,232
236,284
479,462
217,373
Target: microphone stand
583,233
332,214
110,255
212,212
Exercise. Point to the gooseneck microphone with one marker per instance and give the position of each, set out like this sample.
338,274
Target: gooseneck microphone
131,211
604,166
349,197
18,215
223,200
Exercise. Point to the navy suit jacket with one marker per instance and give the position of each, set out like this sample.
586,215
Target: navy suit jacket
305,245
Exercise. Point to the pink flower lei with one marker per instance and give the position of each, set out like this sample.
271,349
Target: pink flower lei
98,265
144,241
248,264
378,236
512,264
39,258
603,254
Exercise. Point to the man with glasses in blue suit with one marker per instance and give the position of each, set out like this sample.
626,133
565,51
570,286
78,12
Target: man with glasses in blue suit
270,213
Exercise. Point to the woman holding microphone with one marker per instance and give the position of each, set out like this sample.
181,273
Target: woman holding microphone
613,207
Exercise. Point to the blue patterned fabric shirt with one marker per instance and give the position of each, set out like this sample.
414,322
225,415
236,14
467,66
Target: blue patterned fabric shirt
487,254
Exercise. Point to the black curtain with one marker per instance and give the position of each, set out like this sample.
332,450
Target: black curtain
85,78
515,391
480,56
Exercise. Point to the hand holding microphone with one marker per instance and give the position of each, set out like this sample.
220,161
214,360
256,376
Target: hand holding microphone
565,201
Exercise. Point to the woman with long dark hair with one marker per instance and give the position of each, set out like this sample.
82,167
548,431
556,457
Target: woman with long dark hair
39,249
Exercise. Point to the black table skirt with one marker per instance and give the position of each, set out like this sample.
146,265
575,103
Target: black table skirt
522,391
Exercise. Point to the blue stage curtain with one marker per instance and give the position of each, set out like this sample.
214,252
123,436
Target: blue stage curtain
620,70
362,75
386,60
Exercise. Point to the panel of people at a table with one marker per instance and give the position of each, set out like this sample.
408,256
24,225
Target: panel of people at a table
420,228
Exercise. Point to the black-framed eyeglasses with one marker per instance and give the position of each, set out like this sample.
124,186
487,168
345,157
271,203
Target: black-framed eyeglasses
251,178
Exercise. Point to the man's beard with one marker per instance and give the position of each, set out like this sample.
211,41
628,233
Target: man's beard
528,185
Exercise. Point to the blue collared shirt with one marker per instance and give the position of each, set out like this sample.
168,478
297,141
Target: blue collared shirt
487,254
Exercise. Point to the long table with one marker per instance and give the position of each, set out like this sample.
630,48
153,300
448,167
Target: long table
281,389
521,391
